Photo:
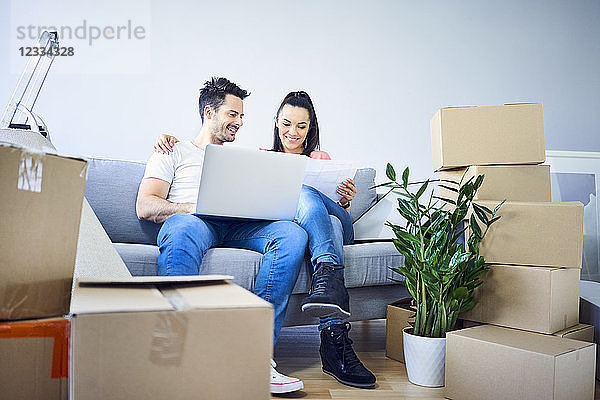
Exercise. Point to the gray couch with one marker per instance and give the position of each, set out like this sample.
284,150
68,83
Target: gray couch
111,191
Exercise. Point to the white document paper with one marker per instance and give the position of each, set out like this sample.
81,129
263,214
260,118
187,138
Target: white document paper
327,175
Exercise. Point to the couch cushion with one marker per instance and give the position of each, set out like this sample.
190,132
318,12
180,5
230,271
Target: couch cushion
367,264
366,194
111,190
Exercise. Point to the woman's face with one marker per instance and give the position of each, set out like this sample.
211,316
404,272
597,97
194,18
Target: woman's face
293,124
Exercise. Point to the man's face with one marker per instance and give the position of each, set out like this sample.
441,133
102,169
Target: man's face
227,119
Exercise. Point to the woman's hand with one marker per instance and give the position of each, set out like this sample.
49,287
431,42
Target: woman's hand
164,143
347,189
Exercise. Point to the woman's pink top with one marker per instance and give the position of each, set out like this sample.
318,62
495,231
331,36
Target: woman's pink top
317,154
320,155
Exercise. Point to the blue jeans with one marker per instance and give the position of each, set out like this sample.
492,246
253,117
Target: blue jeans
314,210
324,245
184,239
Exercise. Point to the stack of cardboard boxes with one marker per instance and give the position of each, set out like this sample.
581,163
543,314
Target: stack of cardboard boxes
125,338
530,296
41,197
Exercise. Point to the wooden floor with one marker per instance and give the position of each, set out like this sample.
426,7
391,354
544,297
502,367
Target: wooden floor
297,354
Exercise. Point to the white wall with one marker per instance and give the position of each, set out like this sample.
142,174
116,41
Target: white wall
377,70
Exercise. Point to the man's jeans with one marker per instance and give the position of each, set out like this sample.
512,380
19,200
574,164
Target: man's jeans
184,239
314,210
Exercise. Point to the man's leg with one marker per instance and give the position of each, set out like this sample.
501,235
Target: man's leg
183,240
283,244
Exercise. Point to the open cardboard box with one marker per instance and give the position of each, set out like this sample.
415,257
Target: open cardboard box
169,338
400,314
507,134
41,196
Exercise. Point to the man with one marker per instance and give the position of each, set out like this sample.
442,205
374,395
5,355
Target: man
168,193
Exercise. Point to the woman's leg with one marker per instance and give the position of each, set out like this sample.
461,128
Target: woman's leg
328,295
336,210
313,216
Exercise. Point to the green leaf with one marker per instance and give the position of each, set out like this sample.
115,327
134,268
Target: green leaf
455,190
390,172
484,208
405,177
422,189
491,221
478,182
407,236
386,184
498,206
480,213
445,200
460,293
474,226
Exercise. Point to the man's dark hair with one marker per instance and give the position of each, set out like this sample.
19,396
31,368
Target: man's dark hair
214,91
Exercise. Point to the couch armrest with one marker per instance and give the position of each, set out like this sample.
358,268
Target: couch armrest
370,225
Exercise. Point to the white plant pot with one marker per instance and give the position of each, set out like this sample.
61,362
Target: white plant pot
425,359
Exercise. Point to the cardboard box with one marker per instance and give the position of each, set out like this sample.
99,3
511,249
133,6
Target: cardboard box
399,316
34,359
589,312
490,362
540,234
41,196
508,134
539,299
513,183
582,332
169,338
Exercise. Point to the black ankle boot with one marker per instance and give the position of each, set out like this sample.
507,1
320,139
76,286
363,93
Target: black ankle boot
328,295
339,359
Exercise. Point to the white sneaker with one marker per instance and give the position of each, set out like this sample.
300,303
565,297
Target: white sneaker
283,384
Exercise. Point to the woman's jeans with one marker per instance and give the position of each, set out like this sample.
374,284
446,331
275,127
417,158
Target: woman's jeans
314,210
184,239
324,243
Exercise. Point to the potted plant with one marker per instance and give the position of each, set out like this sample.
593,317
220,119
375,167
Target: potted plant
441,269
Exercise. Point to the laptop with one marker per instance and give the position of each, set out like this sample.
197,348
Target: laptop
250,183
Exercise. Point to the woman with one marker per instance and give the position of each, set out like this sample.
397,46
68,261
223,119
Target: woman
296,131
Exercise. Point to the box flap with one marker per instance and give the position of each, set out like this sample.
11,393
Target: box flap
160,293
151,280
527,341
104,299
227,295
32,151
572,329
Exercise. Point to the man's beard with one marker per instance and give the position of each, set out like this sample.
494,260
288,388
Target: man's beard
220,134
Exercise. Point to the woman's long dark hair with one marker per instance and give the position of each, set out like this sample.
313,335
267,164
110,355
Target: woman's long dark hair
299,99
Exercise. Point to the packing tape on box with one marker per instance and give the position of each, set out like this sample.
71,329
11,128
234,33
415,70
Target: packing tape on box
57,329
170,331
34,300
30,170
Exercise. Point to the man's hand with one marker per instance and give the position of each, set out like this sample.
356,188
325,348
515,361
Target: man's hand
164,143
151,201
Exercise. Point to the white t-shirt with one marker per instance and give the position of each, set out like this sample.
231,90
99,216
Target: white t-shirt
182,168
